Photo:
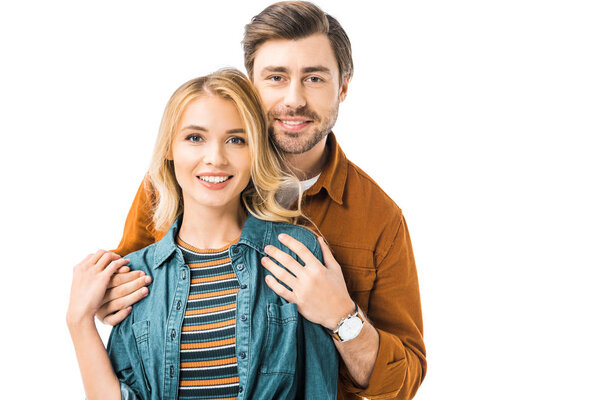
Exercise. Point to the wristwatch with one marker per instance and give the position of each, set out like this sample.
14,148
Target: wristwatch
349,327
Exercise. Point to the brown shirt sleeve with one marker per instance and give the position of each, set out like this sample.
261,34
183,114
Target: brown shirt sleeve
139,229
395,311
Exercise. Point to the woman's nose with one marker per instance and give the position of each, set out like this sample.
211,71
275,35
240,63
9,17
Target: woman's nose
215,154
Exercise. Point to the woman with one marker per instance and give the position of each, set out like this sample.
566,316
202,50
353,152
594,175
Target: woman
210,327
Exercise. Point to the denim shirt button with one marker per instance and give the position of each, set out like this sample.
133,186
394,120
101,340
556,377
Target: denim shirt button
241,389
171,371
236,250
179,304
242,355
173,334
183,274
240,267
243,286
243,317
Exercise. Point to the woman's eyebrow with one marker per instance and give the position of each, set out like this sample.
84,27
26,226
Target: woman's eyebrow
238,130
195,127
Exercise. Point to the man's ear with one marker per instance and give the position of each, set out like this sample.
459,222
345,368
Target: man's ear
344,87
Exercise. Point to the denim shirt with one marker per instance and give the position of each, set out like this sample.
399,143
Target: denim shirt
280,354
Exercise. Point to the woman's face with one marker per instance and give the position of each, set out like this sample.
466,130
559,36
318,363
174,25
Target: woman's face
211,155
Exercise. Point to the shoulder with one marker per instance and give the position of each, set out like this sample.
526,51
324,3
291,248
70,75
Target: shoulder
143,259
364,195
300,233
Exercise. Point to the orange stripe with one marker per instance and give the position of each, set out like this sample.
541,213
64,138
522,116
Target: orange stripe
197,250
210,382
210,263
214,278
212,294
208,326
210,363
204,345
209,310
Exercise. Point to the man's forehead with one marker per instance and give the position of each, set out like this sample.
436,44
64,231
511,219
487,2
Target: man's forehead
313,52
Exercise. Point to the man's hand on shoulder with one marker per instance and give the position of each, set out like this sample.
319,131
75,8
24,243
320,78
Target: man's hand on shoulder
319,290
124,289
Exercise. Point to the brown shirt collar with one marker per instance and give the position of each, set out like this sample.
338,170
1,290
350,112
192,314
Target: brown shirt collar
333,176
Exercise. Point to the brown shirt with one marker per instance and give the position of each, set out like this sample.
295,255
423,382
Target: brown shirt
368,236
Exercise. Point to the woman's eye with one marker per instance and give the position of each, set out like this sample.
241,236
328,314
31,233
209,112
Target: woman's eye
236,140
194,138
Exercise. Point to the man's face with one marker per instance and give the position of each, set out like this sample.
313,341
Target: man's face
299,83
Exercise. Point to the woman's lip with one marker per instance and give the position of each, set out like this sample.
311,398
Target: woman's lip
213,186
293,127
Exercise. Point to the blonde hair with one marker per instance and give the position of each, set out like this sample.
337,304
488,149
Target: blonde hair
267,174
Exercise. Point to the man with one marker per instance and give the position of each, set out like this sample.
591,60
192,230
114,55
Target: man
366,294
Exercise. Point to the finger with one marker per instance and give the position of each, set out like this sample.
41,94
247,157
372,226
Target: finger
118,317
328,258
279,289
96,256
122,270
121,303
115,265
126,288
278,272
299,248
105,260
121,278
284,259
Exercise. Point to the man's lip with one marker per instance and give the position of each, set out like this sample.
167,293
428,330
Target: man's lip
296,127
295,119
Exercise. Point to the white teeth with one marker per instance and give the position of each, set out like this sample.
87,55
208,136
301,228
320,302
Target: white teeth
214,179
293,122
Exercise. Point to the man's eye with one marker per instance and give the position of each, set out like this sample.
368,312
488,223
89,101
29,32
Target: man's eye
194,138
236,140
276,78
315,79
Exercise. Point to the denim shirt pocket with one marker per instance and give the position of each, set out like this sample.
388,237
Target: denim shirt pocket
141,332
281,343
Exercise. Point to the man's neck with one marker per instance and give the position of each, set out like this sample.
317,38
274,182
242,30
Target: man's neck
309,164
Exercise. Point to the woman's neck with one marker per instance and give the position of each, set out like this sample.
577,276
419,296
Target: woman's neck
211,228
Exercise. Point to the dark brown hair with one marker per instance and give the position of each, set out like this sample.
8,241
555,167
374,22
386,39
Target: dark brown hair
296,20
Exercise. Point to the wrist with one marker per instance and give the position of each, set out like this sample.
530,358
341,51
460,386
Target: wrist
76,321
346,308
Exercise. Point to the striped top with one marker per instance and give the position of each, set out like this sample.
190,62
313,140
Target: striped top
208,366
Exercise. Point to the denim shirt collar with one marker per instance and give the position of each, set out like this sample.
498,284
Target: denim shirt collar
255,234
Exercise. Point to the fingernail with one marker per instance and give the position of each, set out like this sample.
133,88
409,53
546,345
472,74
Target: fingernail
282,236
145,291
148,279
129,308
268,249
142,273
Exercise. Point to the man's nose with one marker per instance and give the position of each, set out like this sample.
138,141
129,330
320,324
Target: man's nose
294,96
215,154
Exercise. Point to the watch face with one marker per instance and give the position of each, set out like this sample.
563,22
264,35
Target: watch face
350,328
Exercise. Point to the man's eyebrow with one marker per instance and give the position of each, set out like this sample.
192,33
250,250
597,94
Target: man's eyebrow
316,68
273,68
305,70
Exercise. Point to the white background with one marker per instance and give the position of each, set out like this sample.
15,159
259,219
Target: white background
479,118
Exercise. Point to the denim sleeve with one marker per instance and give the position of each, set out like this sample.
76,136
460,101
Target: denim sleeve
319,366
119,348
